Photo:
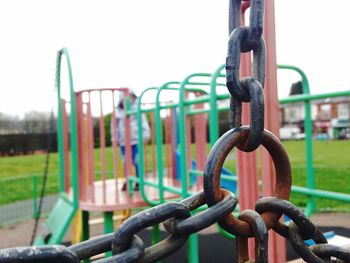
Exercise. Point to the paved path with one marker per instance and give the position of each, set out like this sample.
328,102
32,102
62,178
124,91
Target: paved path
23,210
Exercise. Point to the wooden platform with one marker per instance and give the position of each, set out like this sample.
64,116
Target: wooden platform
95,200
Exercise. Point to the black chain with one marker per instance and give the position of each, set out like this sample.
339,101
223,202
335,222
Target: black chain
176,217
47,161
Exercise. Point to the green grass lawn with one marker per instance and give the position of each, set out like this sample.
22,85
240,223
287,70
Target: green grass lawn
331,165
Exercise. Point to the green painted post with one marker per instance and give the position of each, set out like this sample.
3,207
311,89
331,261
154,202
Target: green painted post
310,176
73,128
159,137
108,226
140,147
192,247
35,197
155,235
86,229
213,115
85,225
60,141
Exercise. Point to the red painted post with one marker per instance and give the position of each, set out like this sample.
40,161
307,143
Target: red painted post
153,145
102,149
81,146
200,136
167,131
115,149
173,146
66,146
277,244
91,149
247,170
128,154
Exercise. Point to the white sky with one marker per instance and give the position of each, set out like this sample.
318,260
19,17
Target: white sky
142,43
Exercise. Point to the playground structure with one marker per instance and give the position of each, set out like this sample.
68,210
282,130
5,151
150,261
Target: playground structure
173,172
83,188
85,182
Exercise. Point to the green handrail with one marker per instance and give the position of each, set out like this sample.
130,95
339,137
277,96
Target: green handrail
73,125
159,136
213,117
310,175
140,147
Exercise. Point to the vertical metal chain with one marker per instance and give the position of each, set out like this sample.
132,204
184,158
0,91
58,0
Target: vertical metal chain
248,89
47,157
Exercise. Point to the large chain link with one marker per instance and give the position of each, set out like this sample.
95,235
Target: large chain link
176,217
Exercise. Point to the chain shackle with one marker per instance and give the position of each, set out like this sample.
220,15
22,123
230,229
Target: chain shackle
260,234
212,174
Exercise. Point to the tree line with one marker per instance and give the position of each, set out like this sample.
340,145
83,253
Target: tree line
31,133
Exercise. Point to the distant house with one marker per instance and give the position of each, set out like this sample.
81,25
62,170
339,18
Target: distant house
330,116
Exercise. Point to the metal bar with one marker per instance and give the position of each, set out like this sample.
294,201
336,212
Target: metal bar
66,161
277,245
321,193
102,149
213,116
310,176
159,137
91,149
310,97
81,150
35,195
108,227
114,136
141,149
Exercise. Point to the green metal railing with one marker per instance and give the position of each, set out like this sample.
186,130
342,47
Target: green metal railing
306,97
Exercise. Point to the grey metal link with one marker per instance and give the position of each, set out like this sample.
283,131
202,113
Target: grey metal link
38,254
327,250
204,219
245,39
260,234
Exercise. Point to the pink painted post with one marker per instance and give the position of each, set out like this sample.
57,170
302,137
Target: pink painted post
103,149
81,146
90,135
200,135
247,170
128,157
153,139
277,244
115,149
173,146
66,146
168,142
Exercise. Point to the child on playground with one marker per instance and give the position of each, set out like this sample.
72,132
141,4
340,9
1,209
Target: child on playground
120,120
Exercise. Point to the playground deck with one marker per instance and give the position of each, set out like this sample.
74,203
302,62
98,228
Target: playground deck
118,200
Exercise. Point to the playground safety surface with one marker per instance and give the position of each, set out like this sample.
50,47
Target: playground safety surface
213,246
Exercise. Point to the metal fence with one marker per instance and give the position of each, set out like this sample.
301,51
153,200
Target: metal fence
20,195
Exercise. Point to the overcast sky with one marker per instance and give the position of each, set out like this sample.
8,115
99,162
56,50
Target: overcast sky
142,43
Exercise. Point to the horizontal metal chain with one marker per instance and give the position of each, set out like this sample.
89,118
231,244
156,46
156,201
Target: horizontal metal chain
177,220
